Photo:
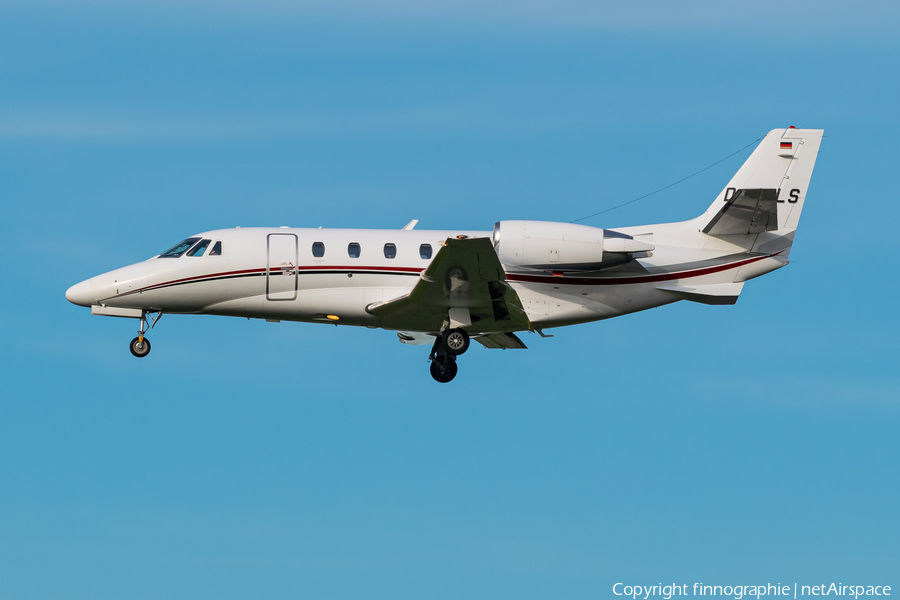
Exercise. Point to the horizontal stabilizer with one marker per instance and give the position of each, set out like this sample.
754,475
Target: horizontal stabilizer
745,212
504,341
713,293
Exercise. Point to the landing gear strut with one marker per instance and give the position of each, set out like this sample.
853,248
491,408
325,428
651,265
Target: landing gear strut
140,346
447,347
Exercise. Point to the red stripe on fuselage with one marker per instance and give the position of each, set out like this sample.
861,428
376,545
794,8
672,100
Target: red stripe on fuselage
275,269
198,277
324,268
637,279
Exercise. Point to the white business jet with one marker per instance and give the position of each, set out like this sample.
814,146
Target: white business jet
446,288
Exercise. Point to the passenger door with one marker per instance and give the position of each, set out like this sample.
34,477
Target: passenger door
281,271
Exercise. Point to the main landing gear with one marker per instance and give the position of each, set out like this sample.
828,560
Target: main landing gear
447,347
444,370
140,346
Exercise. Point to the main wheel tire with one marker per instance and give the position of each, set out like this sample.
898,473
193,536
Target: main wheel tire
456,341
443,371
139,348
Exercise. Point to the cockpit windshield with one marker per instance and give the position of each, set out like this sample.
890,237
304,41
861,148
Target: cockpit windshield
179,248
199,249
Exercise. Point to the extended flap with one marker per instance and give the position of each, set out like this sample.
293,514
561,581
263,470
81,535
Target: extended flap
505,341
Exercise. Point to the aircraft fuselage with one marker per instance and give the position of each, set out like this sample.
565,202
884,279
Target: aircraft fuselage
447,286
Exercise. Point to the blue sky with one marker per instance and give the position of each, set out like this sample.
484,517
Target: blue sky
731,445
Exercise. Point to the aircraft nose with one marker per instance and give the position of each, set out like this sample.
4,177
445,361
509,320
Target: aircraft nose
80,293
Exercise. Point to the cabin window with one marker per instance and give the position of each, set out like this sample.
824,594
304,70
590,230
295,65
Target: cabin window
199,249
390,251
353,250
425,250
318,249
179,248
216,249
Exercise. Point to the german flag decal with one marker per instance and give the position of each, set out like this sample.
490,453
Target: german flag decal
787,145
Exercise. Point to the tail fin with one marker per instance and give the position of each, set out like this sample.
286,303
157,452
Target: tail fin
768,191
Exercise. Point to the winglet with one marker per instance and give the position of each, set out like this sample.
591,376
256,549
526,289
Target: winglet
409,226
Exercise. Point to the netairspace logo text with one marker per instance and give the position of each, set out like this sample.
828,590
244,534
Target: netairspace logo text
666,592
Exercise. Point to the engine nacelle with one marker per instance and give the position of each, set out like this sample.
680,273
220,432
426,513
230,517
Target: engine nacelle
550,246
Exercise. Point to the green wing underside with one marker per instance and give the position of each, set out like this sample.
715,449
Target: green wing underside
465,273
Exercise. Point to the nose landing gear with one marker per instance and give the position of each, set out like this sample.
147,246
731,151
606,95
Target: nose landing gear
140,346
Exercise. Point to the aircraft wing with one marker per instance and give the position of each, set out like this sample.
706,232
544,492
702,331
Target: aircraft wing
465,285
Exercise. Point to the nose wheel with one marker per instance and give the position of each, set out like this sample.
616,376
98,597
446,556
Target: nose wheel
140,347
